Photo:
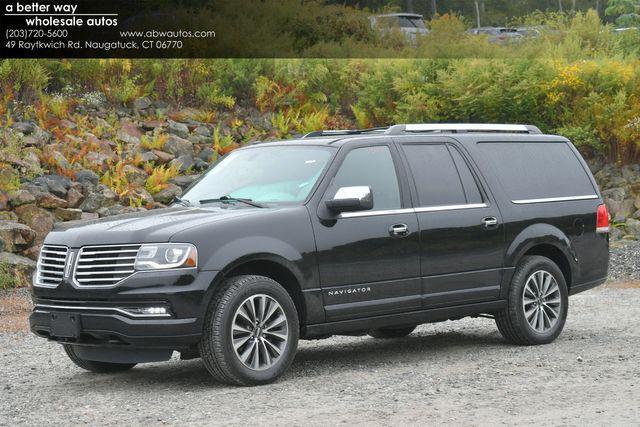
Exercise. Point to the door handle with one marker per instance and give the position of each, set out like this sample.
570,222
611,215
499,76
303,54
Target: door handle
399,230
490,222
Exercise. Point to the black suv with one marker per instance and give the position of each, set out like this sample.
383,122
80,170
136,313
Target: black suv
341,232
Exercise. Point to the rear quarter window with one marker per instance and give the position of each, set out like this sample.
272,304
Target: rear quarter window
537,170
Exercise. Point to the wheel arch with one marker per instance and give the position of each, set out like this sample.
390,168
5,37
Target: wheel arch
272,266
548,241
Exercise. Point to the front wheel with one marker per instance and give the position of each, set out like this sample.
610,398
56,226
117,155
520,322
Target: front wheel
251,331
537,304
92,365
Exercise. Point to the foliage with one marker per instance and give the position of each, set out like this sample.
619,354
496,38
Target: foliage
154,142
159,178
625,11
7,279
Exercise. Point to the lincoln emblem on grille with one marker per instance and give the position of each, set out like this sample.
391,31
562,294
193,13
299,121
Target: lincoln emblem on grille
67,268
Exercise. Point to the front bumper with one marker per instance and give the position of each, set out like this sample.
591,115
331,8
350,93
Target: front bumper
106,317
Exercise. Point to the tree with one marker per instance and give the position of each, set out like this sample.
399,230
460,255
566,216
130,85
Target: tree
626,12
434,8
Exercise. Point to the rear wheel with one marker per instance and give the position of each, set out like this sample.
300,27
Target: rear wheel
92,365
537,304
391,332
251,331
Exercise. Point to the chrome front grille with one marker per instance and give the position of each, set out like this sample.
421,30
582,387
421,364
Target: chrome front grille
104,266
51,264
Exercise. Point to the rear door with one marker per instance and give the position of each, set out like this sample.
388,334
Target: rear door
365,267
461,231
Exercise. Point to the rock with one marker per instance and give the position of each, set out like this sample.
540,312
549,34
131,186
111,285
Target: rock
615,233
183,181
199,165
4,201
21,197
208,154
74,197
129,133
178,147
138,197
18,268
33,252
203,131
619,211
16,237
163,157
615,194
167,194
49,201
184,163
152,124
135,175
636,214
631,172
101,197
633,227
97,161
636,203
87,176
88,216
40,220
56,184
8,216
177,128
9,180
148,156
67,214
26,128
142,103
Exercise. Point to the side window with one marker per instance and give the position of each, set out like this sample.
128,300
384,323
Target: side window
372,166
469,183
435,174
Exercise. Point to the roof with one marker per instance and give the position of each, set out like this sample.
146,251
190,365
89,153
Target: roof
461,131
399,15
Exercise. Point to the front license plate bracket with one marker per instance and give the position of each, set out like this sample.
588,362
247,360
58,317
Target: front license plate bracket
65,325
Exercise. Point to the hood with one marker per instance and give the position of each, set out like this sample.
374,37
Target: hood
154,226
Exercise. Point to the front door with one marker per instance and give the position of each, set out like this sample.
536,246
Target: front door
461,232
369,260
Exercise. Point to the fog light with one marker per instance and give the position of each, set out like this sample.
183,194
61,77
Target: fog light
147,311
153,310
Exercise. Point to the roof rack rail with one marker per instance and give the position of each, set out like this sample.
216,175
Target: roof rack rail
317,133
461,127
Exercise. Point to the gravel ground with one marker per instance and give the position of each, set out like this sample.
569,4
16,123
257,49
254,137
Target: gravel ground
453,373
624,263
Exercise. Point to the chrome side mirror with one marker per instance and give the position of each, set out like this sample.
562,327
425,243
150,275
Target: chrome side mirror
351,199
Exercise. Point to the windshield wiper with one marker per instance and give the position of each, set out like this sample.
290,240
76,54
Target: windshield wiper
183,202
228,198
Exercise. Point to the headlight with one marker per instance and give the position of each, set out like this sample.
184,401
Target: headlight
166,255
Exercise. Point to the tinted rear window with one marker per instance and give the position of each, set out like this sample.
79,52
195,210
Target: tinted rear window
537,170
438,178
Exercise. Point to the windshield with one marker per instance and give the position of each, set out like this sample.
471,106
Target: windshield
264,174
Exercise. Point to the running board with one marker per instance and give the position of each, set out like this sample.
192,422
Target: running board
402,319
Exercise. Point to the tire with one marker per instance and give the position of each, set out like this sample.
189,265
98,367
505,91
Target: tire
93,366
386,333
266,353
529,316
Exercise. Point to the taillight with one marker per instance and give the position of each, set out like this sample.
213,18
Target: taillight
602,219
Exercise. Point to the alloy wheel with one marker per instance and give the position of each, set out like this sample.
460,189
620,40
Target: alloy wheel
541,301
259,332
